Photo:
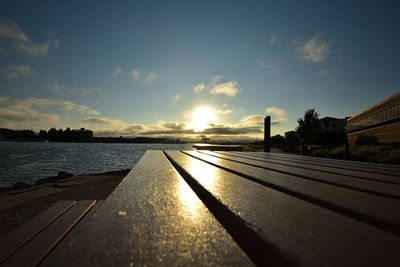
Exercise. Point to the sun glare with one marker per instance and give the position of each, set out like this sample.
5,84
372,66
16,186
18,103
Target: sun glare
202,117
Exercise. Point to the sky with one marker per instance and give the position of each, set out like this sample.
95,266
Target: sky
187,68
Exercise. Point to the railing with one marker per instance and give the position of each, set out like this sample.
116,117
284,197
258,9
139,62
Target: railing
376,119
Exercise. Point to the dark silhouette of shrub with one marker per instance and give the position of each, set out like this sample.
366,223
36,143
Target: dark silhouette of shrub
364,140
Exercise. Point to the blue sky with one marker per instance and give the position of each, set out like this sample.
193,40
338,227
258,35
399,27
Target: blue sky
183,68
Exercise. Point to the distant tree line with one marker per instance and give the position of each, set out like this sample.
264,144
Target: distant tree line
18,135
79,135
145,140
54,135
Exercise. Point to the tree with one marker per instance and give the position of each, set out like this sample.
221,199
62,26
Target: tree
291,141
309,127
204,138
67,137
51,134
42,134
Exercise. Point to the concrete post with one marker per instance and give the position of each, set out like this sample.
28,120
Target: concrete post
267,134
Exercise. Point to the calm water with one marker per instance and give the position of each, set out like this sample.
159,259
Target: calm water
28,162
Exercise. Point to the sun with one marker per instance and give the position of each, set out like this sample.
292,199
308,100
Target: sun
202,117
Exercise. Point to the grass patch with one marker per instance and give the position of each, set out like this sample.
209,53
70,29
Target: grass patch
389,154
253,148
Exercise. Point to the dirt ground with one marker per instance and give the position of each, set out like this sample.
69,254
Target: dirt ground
20,205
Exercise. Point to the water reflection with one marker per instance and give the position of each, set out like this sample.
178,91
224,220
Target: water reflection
192,206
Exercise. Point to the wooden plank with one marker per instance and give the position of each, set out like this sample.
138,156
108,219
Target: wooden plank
307,234
10,243
373,187
357,165
327,168
387,169
152,218
378,168
218,147
357,205
36,249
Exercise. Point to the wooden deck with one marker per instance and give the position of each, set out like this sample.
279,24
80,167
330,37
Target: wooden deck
32,242
242,208
214,147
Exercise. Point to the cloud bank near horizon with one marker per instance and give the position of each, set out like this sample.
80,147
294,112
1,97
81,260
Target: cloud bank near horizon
37,113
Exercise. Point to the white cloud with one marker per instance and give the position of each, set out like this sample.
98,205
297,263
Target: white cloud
63,89
273,39
67,105
248,126
103,121
17,71
10,30
278,121
38,112
60,88
224,111
254,120
127,131
151,76
215,87
41,113
20,118
21,42
92,91
314,50
32,49
265,66
323,73
117,71
4,99
216,79
228,88
135,74
279,113
199,87
177,97
276,111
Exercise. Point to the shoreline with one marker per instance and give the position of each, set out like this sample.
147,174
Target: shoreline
53,179
17,206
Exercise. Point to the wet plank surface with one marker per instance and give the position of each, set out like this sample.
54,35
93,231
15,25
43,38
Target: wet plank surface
152,218
218,147
242,208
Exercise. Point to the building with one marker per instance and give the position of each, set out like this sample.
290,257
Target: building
381,120
82,135
332,125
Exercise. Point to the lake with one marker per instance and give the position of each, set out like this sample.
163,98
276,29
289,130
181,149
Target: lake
30,161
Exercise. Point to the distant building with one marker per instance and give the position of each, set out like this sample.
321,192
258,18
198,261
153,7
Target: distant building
17,135
381,120
82,135
332,125
289,134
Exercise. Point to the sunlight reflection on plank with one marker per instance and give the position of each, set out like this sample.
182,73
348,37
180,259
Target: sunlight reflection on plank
191,204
